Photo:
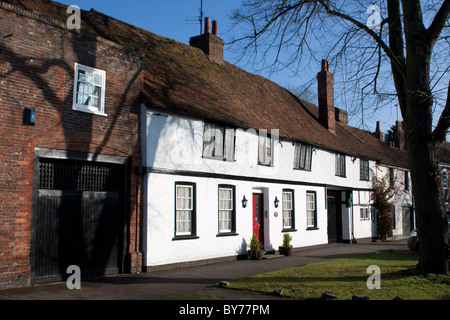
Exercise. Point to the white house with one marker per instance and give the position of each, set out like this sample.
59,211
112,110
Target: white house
232,154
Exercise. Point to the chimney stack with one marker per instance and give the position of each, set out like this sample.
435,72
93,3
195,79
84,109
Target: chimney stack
400,136
210,43
378,134
325,84
215,29
207,25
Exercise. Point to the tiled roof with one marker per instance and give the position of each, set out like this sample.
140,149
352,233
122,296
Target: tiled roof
180,78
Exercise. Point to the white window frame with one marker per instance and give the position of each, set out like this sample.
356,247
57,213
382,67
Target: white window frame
98,110
265,149
311,212
364,213
288,209
226,213
181,209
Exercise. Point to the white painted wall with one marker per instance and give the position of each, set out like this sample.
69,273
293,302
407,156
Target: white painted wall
173,142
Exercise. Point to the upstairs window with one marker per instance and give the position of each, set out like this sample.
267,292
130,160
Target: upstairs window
265,148
340,165
218,142
302,156
364,169
89,90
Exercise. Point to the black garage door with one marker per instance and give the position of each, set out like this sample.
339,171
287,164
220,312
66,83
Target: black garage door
79,218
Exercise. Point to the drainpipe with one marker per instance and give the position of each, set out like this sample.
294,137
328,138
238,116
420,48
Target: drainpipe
353,240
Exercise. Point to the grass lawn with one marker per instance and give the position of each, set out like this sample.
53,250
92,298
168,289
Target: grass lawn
346,277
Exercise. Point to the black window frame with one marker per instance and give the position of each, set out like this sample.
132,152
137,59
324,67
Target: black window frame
314,227
342,167
232,232
292,227
193,233
364,171
308,149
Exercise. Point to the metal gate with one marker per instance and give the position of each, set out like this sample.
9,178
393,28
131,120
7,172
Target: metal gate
79,218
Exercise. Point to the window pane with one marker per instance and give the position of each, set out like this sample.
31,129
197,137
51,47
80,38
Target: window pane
218,141
225,209
229,144
310,209
297,155
308,158
302,156
208,140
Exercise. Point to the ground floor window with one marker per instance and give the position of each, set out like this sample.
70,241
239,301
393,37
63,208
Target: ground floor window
185,209
311,210
288,209
227,209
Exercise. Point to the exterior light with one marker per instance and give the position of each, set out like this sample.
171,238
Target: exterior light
244,202
276,202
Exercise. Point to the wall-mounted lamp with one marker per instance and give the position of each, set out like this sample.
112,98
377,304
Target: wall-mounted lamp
244,202
276,202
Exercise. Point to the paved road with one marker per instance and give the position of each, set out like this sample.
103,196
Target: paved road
192,283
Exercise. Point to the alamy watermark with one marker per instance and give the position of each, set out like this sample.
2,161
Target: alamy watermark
374,281
374,20
74,281
74,21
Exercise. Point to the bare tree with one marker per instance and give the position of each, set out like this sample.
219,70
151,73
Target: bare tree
395,50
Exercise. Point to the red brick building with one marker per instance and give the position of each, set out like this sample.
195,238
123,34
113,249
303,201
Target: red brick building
69,143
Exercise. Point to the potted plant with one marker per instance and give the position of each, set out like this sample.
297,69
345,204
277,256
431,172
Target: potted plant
286,248
255,251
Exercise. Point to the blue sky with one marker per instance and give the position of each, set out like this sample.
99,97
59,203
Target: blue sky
176,19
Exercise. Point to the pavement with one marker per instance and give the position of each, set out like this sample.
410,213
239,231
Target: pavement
195,282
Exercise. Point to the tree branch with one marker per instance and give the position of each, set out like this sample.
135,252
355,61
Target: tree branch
398,65
444,122
438,23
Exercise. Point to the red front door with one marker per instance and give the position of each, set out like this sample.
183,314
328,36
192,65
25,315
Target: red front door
258,218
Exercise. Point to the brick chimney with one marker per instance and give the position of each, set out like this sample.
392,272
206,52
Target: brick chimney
400,136
378,134
209,43
325,84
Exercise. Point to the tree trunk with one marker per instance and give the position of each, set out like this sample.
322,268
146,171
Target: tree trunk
429,205
426,180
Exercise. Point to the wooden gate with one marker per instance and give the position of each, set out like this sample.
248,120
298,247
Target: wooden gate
79,218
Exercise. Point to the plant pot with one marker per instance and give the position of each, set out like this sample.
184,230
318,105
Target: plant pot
287,251
255,255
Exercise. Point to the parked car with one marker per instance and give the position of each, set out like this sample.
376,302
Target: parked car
413,239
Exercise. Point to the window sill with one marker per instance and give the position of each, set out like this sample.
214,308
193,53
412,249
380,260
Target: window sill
176,238
227,234
219,159
312,228
289,230
87,110
264,164
300,169
340,176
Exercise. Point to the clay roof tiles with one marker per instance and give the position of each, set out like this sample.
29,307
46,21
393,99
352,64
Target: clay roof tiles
180,78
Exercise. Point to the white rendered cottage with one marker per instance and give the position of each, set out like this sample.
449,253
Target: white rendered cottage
227,154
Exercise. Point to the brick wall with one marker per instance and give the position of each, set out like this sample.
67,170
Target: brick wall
37,57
